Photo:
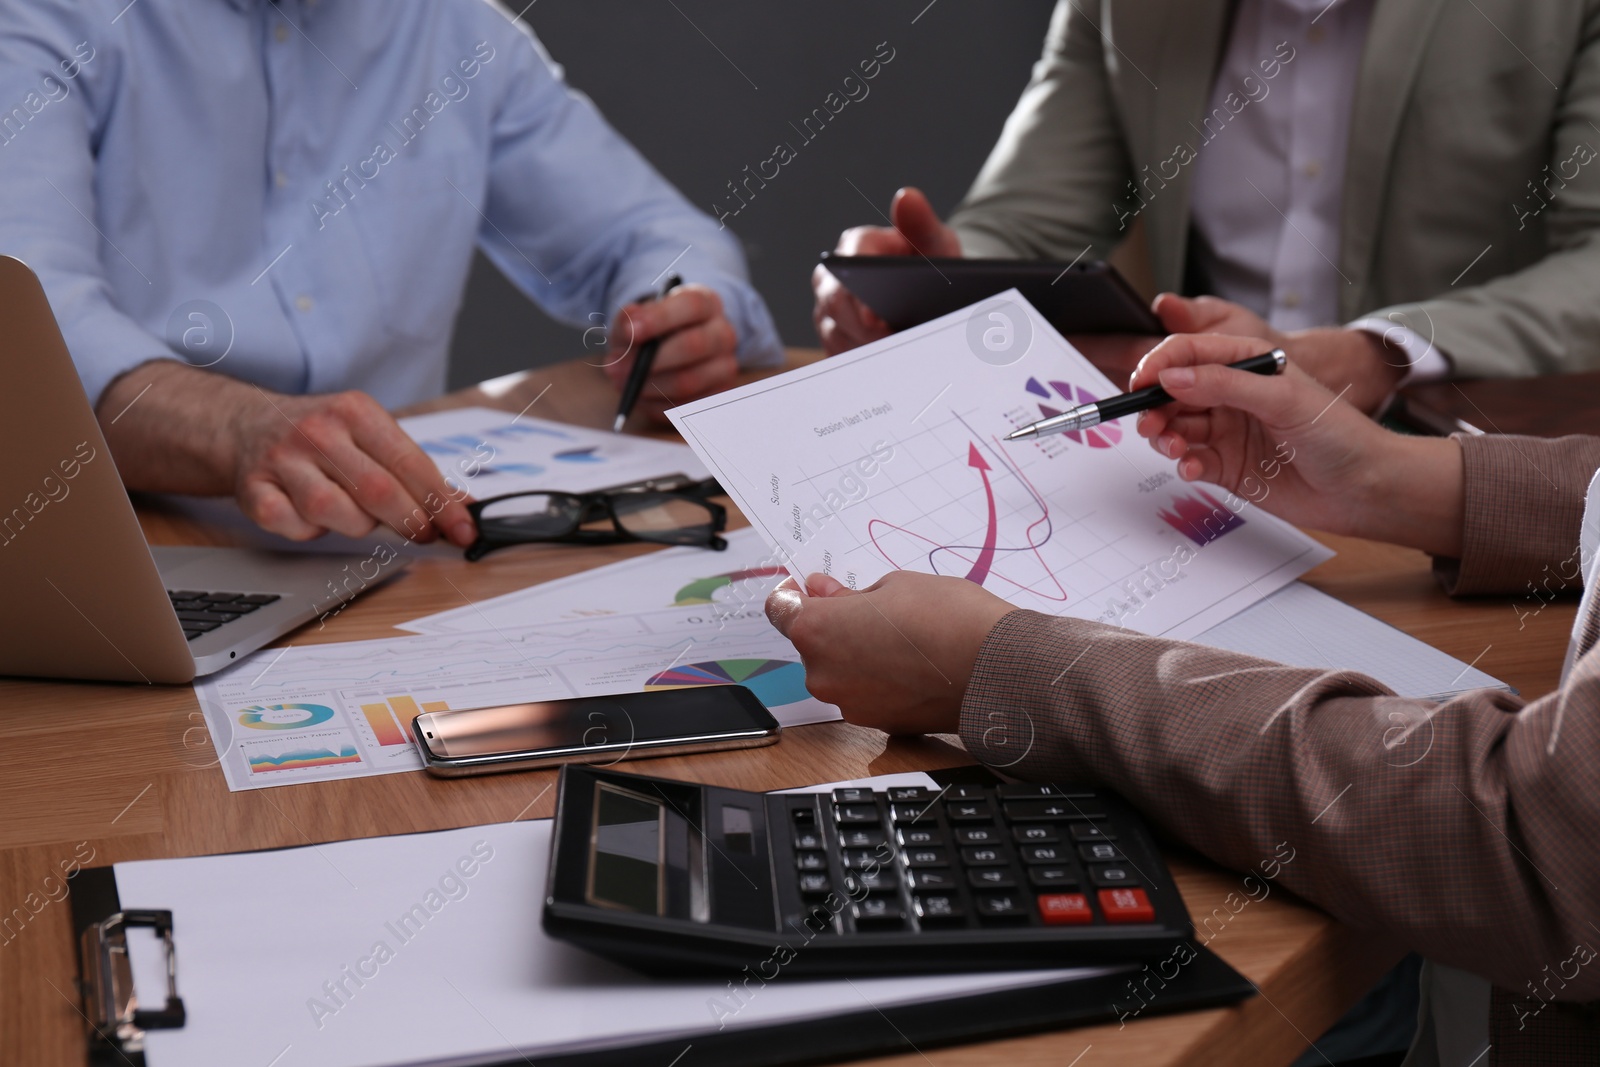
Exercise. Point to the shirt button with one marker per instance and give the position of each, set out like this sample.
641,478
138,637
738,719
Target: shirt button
1288,300
281,32
280,179
1311,169
304,302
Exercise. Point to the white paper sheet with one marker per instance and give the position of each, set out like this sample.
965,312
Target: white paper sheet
890,457
1304,627
321,712
1297,625
280,960
491,452
691,579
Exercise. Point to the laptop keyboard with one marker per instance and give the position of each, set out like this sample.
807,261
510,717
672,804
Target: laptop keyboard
201,612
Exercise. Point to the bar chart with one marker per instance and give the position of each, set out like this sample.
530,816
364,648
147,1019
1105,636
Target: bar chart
391,719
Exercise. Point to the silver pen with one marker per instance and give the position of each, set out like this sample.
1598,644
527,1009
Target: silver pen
1085,416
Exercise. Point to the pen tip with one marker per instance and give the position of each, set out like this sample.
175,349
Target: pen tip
616,425
1017,435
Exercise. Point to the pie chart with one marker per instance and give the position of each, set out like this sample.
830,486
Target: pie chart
775,682
284,716
1103,436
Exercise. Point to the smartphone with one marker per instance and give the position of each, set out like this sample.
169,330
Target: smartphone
662,722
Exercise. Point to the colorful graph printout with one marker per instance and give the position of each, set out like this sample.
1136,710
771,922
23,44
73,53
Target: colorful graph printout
893,456
701,583
774,682
488,452
1068,395
374,689
303,759
391,720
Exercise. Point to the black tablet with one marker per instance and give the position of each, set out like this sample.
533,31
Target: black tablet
906,291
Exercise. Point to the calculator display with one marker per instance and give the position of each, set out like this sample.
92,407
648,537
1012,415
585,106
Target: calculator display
626,869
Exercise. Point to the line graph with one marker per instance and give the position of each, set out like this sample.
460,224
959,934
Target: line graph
980,565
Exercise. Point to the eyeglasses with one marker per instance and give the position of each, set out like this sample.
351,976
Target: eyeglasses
669,511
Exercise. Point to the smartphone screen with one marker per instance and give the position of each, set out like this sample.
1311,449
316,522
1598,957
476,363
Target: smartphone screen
612,722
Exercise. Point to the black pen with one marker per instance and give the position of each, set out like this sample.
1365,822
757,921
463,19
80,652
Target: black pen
641,365
1086,415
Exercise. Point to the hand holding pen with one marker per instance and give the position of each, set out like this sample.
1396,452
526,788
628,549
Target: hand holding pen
1295,448
1085,416
684,340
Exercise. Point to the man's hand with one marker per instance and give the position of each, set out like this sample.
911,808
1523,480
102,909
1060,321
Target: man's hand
1295,449
1353,363
895,656
698,349
1210,314
299,466
844,322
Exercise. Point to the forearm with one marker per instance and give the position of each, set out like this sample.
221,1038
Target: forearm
1435,822
170,427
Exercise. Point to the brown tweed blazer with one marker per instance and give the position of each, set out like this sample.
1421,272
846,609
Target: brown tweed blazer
1469,829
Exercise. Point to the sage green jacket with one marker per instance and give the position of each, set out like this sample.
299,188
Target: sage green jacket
1471,208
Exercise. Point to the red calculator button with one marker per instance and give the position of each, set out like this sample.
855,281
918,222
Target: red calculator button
1126,906
1064,909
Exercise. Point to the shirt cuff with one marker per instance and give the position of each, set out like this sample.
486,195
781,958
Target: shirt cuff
1427,363
758,344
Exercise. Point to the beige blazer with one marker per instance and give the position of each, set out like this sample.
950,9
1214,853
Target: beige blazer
1465,829
1471,207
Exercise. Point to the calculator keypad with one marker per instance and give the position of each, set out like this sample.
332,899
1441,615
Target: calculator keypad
967,857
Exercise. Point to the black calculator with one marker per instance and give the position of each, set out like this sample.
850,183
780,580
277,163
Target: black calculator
680,878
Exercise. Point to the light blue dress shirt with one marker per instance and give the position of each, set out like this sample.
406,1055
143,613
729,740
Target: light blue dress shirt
291,192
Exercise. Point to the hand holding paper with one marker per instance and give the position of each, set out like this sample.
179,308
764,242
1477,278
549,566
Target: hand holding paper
890,458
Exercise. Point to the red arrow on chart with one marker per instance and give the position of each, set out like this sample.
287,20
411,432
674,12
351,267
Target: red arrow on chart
980,569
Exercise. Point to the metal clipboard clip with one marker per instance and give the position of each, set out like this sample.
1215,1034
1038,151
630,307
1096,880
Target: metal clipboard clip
110,1002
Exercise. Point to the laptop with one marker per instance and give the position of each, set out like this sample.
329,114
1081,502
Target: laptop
84,595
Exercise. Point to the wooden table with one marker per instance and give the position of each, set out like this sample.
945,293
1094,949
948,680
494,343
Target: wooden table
1548,406
123,772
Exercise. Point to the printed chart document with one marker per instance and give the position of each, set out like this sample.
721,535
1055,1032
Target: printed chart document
1297,625
692,579
320,712
441,929
490,452
890,457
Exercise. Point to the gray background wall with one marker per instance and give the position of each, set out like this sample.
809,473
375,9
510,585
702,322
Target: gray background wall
705,87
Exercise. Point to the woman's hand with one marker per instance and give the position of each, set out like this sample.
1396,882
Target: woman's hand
1289,445
895,656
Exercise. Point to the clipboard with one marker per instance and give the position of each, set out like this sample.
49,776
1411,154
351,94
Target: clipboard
127,1025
